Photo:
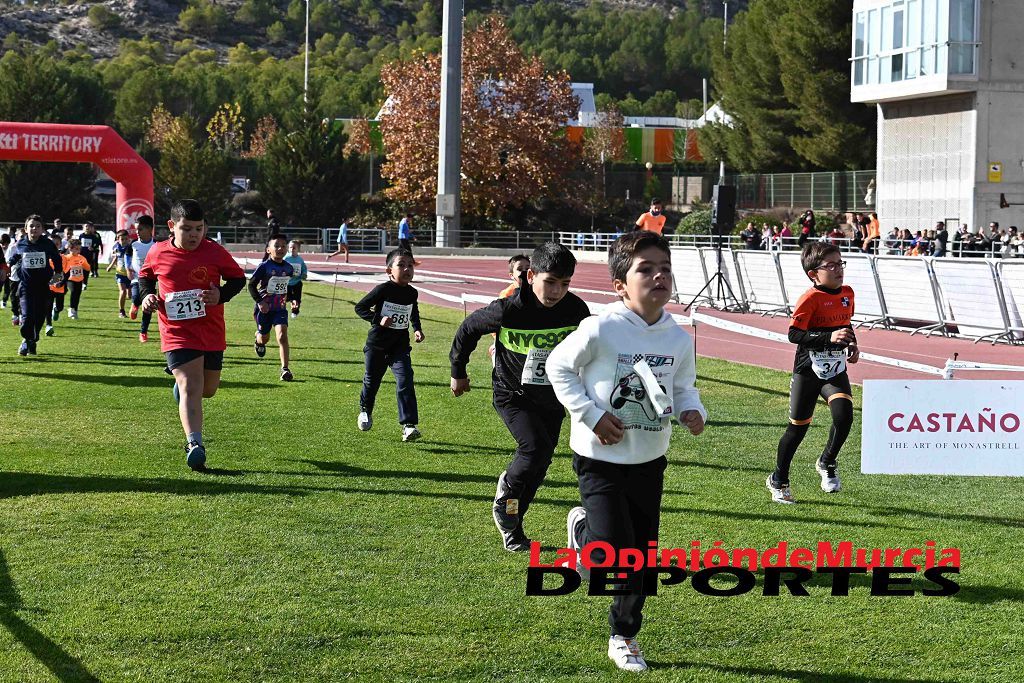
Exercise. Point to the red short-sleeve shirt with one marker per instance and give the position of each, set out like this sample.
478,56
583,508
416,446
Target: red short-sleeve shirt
177,270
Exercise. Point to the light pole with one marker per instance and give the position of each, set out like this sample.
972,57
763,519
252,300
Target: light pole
305,78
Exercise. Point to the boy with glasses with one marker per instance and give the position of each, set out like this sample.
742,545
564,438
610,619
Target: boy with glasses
822,330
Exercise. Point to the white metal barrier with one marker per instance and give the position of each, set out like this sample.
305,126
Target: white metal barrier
762,282
1011,278
688,274
983,299
909,291
971,298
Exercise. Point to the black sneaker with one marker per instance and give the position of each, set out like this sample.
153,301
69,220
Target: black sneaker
195,456
286,375
516,542
23,349
32,348
260,349
506,517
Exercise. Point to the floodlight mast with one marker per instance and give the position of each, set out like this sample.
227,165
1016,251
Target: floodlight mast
449,148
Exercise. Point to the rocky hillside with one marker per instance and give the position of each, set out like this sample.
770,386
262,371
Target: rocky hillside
99,27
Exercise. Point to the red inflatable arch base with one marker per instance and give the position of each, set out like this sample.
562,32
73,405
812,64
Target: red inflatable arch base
99,145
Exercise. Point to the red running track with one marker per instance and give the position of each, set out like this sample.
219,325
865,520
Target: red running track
486,276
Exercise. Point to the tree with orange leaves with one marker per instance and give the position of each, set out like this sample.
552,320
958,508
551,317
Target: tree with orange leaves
514,148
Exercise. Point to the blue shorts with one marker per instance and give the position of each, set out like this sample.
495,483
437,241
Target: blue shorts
265,321
123,280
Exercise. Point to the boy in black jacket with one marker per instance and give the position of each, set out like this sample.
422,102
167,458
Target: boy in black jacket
529,324
38,264
391,309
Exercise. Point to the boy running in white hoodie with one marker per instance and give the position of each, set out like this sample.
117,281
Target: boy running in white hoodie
623,375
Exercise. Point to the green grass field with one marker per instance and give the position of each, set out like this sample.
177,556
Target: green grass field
318,553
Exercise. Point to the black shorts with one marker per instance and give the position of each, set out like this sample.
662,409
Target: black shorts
804,390
212,360
294,293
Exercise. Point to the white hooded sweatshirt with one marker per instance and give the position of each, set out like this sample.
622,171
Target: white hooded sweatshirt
592,373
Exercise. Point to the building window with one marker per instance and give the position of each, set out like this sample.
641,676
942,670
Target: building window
961,36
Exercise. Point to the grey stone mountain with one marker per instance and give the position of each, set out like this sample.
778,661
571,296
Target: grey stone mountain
70,26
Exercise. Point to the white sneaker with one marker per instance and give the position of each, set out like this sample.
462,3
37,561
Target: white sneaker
73,314
571,522
829,477
410,433
780,494
364,421
626,654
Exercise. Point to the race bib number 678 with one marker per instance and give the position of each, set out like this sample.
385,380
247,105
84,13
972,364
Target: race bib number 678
185,305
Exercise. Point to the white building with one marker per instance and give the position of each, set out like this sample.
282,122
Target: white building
947,78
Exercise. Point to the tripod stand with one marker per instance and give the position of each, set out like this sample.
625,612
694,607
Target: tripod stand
720,282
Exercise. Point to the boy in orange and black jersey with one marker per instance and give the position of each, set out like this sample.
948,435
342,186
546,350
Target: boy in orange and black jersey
822,330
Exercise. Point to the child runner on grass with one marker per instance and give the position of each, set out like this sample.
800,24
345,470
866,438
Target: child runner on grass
33,259
623,374
57,287
121,260
294,295
268,287
822,330
76,267
391,308
12,277
529,324
181,279
517,267
140,249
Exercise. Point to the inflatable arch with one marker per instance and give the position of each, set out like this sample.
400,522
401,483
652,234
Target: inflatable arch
99,145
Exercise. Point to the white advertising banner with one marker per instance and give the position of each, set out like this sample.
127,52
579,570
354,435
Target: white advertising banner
966,427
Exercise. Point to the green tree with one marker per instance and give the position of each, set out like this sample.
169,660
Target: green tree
196,170
277,33
102,18
306,176
202,17
784,80
34,87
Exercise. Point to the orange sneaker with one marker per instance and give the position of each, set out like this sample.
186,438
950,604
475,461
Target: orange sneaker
134,312
143,337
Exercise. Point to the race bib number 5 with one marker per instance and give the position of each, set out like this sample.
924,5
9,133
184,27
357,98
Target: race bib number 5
829,363
535,367
277,285
185,305
400,314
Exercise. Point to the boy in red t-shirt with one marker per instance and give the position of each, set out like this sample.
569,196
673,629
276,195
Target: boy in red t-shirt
822,330
190,300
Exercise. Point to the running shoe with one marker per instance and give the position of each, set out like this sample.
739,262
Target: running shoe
16,320
121,314
49,330
56,315
73,313
410,433
195,456
364,421
626,654
575,523
133,312
260,349
780,492
829,476
143,337
505,512
23,349
286,375
31,348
